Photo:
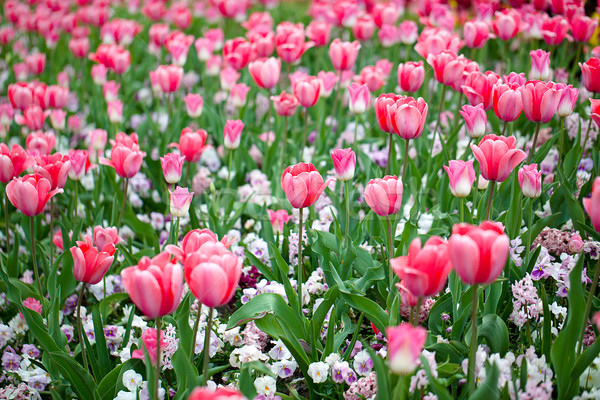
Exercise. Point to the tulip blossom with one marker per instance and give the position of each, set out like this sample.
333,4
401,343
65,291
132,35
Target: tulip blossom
554,30
318,32
411,76
401,115
475,119
13,162
289,42
447,67
363,28
461,175
405,344
285,104
328,80
592,204
30,193
497,156
193,241
343,54
232,133
172,164
212,274
40,143
506,24
150,344
540,100
530,181
278,219
344,162
20,95
478,88
236,53
91,262
568,99
154,285
302,184
181,198
425,269
540,65
191,144
55,168
360,98
265,72
478,253
307,91
203,393
114,109
507,101
193,105
33,117
384,196
476,33
583,27
371,76
590,74
125,157
105,236
169,77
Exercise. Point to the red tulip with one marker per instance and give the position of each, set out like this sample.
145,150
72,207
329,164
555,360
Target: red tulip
55,168
91,262
583,27
236,53
478,88
302,184
13,162
554,30
30,193
507,101
590,75
497,156
478,253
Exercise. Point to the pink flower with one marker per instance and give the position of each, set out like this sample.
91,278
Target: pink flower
540,100
405,344
478,254
371,76
30,193
56,96
13,162
401,115
475,119
540,65
307,91
98,73
497,156
91,262
172,164
204,48
363,29
411,76
57,119
384,196
202,393
408,31
328,80
478,88
238,94
54,167
435,40
568,99
154,285
318,32
33,117
212,274
285,104
193,241
169,77
194,104
181,198
289,42
424,270
40,143
265,72
114,110
530,181
461,175
476,33
506,23
36,63
592,204
447,67
236,53
150,344
583,27
125,157
6,114
191,144
344,162
106,236
232,133
385,14
302,184
590,75
343,54
33,304
554,30
360,98
278,219
507,101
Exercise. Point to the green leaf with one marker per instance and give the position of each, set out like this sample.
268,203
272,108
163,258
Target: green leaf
495,332
547,327
372,310
488,390
382,374
184,370
584,360
108,386
101,348
81,381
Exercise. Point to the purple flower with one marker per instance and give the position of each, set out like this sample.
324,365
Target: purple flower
110,331
30,350
339,371
351,377
11,361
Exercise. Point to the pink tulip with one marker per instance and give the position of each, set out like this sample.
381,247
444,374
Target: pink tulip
478,88
285,104
278,219
265,72
36,63
6,114
236,53
344,162
540,65
40,143
150,344
169,77
555,29
497,156
98,73
33,117
302,184
318,32
507,101
530,181
110,89
506,24
401,115
583,27
327,80
461,175
364,28
204,48
193,241
388,36
56,96
194,104
191,144
343,54
238,95
91,262
172,164
590,75
411,76
435,40
405,344
33,305
125,157
475,119
307,91
30,193
592,204
54,167
447,67
360,98
106,236
385,14
57,119
515,79
384,196
212,274
289,42
154,285
425,269
202,393
13,162
476,33
114,109
540,100
79,47
232,133
181,198
596,320
595,111
371,76
478,254
408,31
568,99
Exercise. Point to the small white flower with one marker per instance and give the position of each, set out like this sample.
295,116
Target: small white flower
123,395
265,385
333,358
132,380
318,371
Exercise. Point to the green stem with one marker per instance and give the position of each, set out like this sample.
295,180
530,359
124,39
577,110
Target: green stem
404,162
305,133
390,253
562,139
195,331
389,159
416,319
229,172
75,201
80,326
300,262
435,132
347,196
33,257
462,212
285,135
355,135
124,202
156,387
6,222
489,202
535,139
473,345
207,334
587,132
575,63
588,306
456,114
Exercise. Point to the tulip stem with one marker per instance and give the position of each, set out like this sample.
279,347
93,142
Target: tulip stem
80,326
504,128
462,211
529,239
305,133
207,334
356,134
535,139
588,306
124,202
229,172
195,332
456,114
285,135
473,345
300,263
562,139
6,220
33,257
347,198
156,387
435,132
417,314
489,202
389,159
390,252
575,63
51,231
405,161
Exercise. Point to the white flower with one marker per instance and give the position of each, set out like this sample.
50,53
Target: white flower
279,352
265,385
333,358
132,380
318,371
122,395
